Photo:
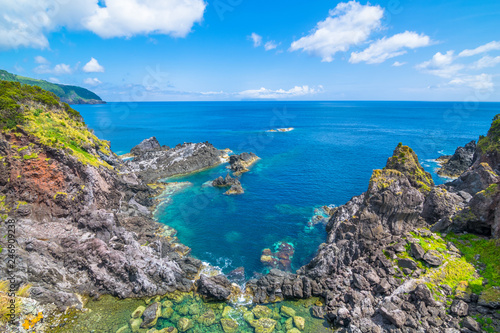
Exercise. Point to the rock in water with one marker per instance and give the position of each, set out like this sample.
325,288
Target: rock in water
226,182
235,189
459,162
240,163
215,288
150,315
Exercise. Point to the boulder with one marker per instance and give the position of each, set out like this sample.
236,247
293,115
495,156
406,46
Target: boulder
150,315
287,312
433,258
264,325
459,308
416,251
215,288
471,324
299,322
229,325
184,324
407,263
396,316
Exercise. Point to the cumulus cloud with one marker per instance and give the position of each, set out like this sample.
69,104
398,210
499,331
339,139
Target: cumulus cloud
92,81
41,60
93,66
27,23
59,69
480,82
492,46
280,93
387,48
441,65
256,39
347,25
486,61
271,45
398,64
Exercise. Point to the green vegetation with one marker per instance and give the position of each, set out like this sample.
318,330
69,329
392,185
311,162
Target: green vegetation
68,94
484,254
54,124
384,178
486,323
405,160
491,142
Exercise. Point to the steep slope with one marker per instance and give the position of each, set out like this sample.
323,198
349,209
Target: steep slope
67,94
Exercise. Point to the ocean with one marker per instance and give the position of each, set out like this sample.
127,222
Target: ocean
327,159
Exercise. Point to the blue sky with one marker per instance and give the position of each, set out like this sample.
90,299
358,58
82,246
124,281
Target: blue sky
143,50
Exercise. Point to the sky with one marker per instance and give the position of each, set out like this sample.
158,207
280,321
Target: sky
211,50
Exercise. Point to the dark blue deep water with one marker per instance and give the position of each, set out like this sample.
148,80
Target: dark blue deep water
326,160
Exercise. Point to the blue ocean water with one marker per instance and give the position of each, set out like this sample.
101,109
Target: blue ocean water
326,160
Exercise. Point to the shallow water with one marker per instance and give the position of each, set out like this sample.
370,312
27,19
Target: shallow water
326,159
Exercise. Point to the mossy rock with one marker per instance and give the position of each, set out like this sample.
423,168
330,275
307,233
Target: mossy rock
183,310
227,312
167,304
184,324
287,312
194,309
299,322
229,325
135,324
166,313
248,316
293,330
207,318
264,325
289,324
138,312
123,329
261,311
170,329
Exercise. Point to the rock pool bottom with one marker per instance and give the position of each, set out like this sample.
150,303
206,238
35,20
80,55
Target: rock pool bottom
184,312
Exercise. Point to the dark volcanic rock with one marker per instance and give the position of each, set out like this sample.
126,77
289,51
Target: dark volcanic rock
150,315
145,146
461,160
226,182
416,251
215,288
240,163
459,308
152,165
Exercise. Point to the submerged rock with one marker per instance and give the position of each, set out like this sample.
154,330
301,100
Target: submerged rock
150,315
229,325
264,325
235,189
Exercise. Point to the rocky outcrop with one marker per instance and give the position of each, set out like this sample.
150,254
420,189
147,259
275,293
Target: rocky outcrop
228,181
215,288
147,145
152,163
459,162
240,163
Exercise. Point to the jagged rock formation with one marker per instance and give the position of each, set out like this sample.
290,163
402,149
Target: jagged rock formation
459,162
372,270
152,162
228,181
83,219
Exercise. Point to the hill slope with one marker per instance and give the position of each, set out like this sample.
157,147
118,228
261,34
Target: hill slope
67,94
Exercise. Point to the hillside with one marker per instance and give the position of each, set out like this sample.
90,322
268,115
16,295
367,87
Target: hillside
67,94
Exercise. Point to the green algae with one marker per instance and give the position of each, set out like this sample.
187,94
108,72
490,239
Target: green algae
188,313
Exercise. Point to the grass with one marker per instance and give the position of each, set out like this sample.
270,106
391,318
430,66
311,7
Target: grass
491,142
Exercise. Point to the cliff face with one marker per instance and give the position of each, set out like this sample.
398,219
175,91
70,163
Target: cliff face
83,221
382,269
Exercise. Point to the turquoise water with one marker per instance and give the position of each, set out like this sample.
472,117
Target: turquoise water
326,160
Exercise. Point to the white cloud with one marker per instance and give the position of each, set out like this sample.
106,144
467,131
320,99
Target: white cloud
441,65
480,82
93,67
281,93
257,40
92,81
486,61
387,48
492,46
59,69
27,23
271,45
398,64
41,60
54,80
348,24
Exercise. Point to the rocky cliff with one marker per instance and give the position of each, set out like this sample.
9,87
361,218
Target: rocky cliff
382,270
83,219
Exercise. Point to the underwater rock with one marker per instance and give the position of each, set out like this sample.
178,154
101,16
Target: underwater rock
215,288
207,318
264,325
281,259
229,325
166,313
184,324
299,322
170,329
135,324
150,315
287,312
138,312
261,311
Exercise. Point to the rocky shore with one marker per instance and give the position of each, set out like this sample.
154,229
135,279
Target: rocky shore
456,164
405,256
